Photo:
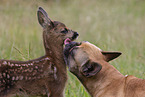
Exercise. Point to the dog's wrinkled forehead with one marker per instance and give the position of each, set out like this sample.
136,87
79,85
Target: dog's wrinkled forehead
91,49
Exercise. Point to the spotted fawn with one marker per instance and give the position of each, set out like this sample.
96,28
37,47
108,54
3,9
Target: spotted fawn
44,76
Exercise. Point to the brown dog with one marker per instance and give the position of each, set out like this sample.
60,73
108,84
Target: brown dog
45,76
90,65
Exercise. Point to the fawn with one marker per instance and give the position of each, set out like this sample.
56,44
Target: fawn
45,76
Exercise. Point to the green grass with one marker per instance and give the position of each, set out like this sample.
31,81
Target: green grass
112,25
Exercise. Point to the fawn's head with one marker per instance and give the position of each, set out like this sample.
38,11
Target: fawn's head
54,32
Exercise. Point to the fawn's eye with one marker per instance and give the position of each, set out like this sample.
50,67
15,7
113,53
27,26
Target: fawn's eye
64,31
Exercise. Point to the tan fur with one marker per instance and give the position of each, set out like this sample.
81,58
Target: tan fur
108,82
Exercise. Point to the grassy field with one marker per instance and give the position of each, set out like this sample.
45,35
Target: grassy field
112,25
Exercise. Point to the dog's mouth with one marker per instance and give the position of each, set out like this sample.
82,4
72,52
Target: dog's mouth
69,46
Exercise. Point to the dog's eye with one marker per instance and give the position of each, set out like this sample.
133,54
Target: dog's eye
64,31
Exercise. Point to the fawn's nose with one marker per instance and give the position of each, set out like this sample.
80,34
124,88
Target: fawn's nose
75,35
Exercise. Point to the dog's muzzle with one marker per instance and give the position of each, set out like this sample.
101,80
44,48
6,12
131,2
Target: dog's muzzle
69,45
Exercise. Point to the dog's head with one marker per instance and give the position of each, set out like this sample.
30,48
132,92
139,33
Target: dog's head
54,31
85,59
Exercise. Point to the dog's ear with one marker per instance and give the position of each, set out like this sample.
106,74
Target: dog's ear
89,68
110,55
43,18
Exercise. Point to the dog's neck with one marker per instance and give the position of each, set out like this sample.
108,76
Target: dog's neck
107,77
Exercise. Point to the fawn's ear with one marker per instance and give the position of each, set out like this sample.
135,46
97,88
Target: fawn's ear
43,18
110,55
89,68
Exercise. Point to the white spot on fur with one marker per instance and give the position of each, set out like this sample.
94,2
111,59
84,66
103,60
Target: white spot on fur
9,63
13,78
29,70
3,81
4,74
12,64
55,70
16,65
8,76
126,75
26,77
5,62
17,78
36,67
29,78
24,64
21,67
47,58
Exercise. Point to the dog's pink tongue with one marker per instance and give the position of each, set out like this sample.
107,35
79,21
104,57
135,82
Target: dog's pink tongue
67,41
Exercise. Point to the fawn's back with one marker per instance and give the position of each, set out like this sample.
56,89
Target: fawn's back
25,76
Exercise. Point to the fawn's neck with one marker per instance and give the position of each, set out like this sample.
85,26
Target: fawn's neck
54,49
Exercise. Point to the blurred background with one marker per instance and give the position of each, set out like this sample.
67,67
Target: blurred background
112,25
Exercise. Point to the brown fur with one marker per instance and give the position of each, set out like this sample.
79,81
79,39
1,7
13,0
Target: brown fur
90,65
45,76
